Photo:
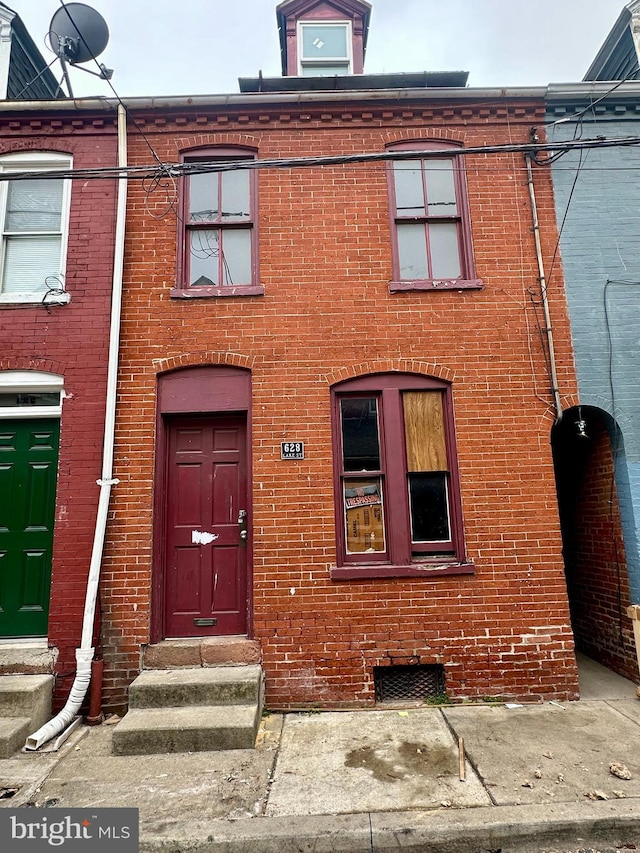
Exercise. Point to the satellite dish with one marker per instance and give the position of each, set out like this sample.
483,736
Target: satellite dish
77,33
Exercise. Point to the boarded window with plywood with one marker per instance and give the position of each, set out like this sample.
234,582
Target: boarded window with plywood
427,468
397,490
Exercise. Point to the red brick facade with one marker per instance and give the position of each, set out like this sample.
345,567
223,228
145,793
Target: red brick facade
70,340
326,315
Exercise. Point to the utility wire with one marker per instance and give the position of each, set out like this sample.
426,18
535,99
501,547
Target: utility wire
207,166
110,84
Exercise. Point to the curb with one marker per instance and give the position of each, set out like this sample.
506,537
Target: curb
453,831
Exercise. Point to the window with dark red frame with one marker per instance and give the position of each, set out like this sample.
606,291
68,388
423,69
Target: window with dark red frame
218,239
397,492
432,246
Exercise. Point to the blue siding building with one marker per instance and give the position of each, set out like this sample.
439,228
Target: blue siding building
597,197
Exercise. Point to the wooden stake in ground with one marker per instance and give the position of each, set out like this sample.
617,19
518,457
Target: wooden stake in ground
461,761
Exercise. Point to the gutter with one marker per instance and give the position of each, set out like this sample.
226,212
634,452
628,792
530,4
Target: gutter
260,99
84,654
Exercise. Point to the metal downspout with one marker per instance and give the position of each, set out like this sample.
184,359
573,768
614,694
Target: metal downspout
543,290
84,654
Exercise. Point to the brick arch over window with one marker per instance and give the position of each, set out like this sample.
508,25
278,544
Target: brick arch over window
390,365
186,144
397,492
40,146
198,359
430,134
432,247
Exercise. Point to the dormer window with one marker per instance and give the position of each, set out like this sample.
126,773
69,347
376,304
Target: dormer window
323,38
326,48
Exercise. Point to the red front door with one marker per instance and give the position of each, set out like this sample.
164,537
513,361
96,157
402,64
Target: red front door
206,530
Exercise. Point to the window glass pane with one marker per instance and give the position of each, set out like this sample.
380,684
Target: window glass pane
235,195
207,265
203,197
445,252
204,257
34,205
236,255
29,261
424,431
412,251
441,189
429,504
324,42
407,176
363,515
360,438
30,398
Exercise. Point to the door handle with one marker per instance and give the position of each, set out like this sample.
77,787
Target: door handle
242,521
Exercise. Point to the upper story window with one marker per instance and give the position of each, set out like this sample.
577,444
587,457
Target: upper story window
324,48
218,238
397,493
432,233
34,214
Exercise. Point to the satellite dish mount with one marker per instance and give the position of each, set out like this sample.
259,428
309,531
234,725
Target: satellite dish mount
77,34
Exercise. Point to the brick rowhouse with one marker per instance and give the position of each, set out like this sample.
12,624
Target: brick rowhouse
70,340
499,628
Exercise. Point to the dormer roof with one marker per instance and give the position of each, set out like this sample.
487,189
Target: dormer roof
291,13
619,56
23,71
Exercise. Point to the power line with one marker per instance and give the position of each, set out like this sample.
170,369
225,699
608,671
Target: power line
175,170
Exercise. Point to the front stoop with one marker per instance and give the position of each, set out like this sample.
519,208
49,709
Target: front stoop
191,710
25,705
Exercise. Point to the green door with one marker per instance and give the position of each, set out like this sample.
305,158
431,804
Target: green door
28,473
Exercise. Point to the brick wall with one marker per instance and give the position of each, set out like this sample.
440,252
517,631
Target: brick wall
327,313
596,569
71,340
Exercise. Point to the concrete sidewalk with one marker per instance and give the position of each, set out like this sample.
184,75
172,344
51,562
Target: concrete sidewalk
536,777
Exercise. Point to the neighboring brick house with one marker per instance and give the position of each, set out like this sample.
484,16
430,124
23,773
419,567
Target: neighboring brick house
597,196
335,411
57,261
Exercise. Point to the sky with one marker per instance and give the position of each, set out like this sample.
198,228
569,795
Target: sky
189,47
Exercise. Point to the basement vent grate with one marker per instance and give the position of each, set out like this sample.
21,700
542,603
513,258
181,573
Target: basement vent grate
408,682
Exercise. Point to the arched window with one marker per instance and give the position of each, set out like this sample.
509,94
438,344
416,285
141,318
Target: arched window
218,240
432,246
397,491
34,214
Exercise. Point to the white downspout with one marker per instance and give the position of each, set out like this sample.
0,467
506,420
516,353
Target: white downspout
543,289
84,654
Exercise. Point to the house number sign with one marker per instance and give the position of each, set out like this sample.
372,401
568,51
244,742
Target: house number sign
292,450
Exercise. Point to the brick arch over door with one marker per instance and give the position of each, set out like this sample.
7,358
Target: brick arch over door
203,453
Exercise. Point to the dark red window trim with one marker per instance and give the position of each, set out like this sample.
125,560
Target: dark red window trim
468,280
182,289
397,560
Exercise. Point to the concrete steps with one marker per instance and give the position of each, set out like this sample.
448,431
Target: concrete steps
191,710
25,704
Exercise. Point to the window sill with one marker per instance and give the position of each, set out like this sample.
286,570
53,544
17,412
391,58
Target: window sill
44,298
436,284
216,292
413,570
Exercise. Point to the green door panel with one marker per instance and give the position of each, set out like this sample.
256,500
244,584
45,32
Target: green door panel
28,476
